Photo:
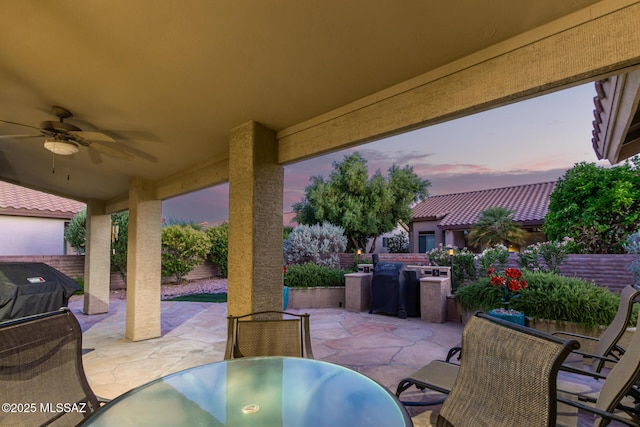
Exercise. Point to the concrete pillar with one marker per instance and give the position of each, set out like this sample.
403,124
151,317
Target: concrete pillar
143,262
255,220
97,271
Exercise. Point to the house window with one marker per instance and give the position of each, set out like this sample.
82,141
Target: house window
426,241
385,242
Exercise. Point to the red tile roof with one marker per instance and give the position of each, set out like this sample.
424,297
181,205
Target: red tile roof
16,200
461,210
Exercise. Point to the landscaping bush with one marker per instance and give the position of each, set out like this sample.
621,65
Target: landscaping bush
318,244
219,253
552,253
80,281
632,246
549,296
398,243
464,268
182,249
310,275
75,232
495,257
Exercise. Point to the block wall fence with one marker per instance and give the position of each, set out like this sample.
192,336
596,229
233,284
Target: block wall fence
73,266
608,270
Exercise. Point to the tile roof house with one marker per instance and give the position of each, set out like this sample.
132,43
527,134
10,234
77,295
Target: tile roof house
446,219
32,222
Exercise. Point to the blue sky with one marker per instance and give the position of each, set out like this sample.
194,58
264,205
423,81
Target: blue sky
531,141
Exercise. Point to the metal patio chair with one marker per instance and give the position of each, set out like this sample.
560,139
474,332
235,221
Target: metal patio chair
268,333
606,346
617,398
507,377
41,366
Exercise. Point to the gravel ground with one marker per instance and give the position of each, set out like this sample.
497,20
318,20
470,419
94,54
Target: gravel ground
202,286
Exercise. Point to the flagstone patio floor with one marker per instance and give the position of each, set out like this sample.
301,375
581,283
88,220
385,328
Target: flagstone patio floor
381,347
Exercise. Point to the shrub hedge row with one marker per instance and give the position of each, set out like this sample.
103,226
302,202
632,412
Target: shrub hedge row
309,275
549,296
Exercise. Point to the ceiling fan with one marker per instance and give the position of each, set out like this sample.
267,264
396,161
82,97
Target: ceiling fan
65,139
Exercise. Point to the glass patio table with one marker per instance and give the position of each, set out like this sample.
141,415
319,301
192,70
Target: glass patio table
262,391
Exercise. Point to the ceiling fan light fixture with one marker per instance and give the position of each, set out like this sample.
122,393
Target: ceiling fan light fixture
61,146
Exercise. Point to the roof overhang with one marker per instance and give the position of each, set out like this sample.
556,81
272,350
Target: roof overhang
616,124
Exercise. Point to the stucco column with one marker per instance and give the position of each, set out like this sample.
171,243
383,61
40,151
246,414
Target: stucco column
97,272
255,220
143,262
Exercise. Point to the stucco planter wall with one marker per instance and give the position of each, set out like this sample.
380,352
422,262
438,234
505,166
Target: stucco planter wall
550,326
321,297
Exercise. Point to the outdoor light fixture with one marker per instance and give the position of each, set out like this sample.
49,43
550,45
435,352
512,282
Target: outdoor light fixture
61,146
450,252
359,251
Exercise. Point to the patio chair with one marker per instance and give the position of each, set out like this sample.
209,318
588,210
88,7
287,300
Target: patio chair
507,377
617,397
606,345
268,333
41,369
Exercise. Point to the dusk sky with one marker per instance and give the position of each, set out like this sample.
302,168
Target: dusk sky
528,142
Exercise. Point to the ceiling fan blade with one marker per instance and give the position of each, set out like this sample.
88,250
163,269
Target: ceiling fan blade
19,124
92,136
19,136
110,150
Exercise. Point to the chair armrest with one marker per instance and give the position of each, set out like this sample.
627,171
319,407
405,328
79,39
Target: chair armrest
577,371
571,334
597,356
452,352
605,414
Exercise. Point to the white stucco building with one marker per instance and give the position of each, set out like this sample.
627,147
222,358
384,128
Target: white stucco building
32,222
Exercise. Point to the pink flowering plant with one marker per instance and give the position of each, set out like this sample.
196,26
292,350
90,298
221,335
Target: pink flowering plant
510,282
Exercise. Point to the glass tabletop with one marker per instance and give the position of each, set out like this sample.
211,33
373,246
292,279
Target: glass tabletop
263,392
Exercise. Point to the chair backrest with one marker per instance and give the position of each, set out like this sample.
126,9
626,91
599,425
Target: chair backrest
41,366
615,330
507,376
268,333
621,378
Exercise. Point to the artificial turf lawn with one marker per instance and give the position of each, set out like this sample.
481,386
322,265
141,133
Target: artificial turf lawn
221,297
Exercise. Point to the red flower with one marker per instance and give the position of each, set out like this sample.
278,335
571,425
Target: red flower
510,281
513,273
498,281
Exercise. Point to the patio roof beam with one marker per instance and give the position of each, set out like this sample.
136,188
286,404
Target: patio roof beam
592,43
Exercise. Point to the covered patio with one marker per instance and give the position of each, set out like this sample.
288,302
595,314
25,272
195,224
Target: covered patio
169,98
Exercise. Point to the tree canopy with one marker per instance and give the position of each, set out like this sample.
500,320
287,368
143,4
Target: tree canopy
598,207
364,206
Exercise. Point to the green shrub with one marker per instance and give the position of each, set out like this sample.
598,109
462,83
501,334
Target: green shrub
310,275
75,232
398,243
496,257
632,246
548,296
219,254
318,244
464,267
182,249
80,281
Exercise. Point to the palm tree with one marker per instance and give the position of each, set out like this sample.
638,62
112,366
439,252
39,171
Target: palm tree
495,226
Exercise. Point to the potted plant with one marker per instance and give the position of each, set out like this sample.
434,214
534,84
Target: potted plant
510,283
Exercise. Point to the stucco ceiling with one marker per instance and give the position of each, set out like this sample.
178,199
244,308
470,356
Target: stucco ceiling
169,79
